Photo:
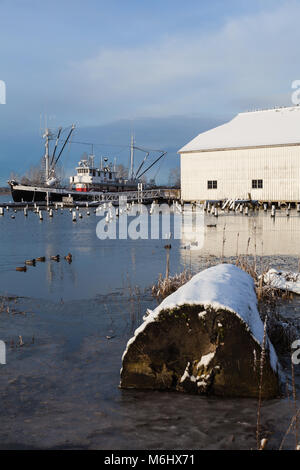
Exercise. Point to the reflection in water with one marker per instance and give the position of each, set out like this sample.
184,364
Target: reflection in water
258,233
100,266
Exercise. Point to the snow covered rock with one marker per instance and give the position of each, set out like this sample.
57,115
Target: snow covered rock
204,338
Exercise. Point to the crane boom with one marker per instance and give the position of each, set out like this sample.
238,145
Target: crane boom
150,166
66,141
55,147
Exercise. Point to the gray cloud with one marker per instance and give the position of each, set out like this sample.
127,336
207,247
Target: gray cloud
250,61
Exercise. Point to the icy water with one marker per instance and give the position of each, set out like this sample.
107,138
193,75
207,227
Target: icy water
60,388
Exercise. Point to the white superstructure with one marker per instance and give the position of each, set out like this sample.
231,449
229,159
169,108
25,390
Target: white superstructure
89,178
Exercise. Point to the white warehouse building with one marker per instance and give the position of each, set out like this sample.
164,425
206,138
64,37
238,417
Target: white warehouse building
256,155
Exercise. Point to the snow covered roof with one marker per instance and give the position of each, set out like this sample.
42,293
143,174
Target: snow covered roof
257,128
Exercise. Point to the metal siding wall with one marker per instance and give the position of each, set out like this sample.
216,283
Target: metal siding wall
278,167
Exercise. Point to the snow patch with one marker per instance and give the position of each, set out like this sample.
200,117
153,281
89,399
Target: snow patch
202,314
205,360
186,373
283,280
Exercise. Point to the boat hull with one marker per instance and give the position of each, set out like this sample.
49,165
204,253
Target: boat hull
21,193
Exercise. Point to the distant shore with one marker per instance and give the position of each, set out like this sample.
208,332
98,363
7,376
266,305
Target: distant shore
4,191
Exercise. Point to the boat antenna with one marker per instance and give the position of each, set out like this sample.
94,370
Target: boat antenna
46,136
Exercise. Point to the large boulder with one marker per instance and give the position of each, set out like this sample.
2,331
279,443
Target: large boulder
205,338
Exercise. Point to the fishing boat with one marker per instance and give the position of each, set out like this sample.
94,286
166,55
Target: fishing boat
89,182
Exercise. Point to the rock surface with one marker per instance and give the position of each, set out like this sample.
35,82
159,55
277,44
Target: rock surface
205,338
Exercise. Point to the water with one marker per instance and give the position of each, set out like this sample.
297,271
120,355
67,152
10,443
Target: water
98,267
60,389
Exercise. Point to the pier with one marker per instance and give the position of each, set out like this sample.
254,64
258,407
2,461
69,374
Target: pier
146,196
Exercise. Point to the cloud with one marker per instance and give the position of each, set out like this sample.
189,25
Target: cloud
250,61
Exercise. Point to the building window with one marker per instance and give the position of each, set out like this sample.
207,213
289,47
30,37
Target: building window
257,184
212,184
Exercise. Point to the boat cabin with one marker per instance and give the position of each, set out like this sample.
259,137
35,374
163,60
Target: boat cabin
90,178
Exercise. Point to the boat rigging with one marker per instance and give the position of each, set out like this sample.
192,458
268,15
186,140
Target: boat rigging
88,177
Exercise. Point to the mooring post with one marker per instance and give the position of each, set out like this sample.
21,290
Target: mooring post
168,247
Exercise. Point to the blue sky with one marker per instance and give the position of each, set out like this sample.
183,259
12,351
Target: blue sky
97,62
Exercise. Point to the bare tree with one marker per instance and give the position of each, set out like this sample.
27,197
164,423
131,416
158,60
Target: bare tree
174,177
34,175
122,172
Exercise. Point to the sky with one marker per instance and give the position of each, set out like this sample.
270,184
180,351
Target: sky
105,64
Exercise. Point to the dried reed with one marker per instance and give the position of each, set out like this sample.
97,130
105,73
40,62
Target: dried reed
262,363
168,285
